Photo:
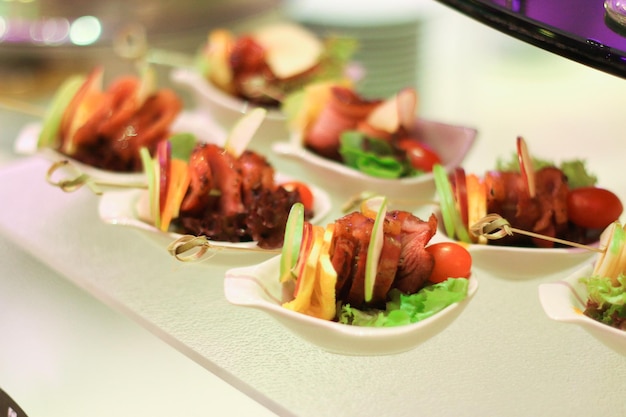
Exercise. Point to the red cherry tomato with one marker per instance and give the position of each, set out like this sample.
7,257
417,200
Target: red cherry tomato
592,207
420,155
306,195
451,261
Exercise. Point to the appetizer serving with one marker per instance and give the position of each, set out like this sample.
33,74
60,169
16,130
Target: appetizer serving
368,283
594,296
606,285
561,202
225,193
374,136
379,145
263,65
106,128
368,266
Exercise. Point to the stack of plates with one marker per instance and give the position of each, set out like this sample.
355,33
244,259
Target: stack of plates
388,43
387,55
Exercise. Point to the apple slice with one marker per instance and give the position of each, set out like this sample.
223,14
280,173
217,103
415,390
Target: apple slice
306,280
83,105
460,191
407,108
379,205
452,221
163,158
398,110
217,54
303,254
243,131
51,124
612,241
292,242
526,166
151,168
290,49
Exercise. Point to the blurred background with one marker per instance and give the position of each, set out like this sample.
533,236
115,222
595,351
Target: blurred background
465,73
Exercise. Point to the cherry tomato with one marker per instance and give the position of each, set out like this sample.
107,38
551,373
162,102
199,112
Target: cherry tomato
306,195
592,207
420,155
451,261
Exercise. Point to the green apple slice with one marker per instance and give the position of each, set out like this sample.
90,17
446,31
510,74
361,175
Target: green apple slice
150,169
243,131
292,241
452,220
612,241
379,204
51,125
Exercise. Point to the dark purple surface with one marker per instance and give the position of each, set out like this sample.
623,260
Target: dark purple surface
581,18
576,29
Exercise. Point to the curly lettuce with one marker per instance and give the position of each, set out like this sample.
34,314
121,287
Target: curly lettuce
404,309
575,170
606,302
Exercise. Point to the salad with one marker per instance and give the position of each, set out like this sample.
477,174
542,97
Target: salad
225,193
606,286
106,128
374,136
264,65
550,200
372,267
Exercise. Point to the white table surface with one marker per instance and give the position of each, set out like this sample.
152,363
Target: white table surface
86,300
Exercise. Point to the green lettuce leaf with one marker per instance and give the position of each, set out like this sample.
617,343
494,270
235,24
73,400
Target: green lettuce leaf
575,170
371,156
404,309
607,303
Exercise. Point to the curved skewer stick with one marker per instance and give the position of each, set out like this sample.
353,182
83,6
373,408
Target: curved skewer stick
197,246
73,183
494,226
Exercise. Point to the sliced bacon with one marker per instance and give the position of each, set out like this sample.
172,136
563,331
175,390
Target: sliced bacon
415,263
257,175
404,263
545,214
119,125
344,111
356,228
200,185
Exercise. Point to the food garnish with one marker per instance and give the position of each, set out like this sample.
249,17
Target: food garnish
73,179
264,65
224,193
537,197
374,136
606,287
371,267
105,128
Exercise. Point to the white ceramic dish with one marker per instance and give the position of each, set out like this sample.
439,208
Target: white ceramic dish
452,143
130,207
564,301
257,287
188,122
511,262
26,144
225,110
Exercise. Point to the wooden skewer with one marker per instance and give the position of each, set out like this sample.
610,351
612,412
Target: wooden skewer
494,226
198,246
74,183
